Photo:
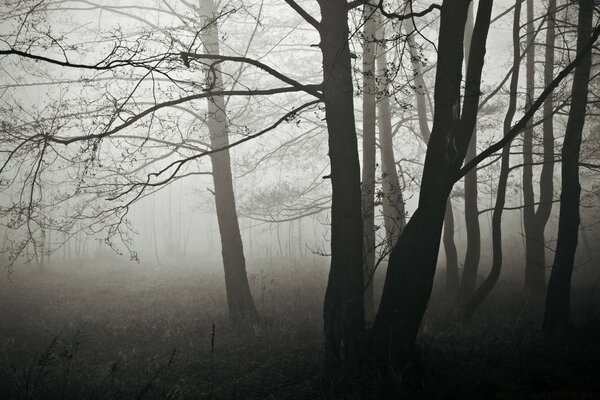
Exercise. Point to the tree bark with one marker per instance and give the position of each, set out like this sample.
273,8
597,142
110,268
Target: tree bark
452,276
535,281
556,318
536,241
368,150
343,310
394,216
411,269
471,303
239,299
472,255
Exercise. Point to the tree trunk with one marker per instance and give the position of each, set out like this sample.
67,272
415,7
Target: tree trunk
474,301
393,202
472,255
368,167
537,247
452,278
239,299
556,318
343,310
411,269
535,281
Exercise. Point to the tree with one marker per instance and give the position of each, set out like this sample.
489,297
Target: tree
472,255
392,199
239,299
147,70
534,221
412,262
475,299
556,317
343,309
368,149
421,92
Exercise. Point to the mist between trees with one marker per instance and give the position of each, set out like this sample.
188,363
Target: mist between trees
387,147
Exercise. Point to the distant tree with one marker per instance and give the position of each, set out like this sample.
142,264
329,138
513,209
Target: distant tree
369,96
239,299
475,298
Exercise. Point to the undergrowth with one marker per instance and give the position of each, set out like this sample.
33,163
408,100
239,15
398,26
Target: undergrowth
144,332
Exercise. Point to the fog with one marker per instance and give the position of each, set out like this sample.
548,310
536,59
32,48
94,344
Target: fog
197,200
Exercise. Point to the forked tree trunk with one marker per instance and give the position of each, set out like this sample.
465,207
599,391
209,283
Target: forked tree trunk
471,303
556,318
368,167
411,269
239,299
343,311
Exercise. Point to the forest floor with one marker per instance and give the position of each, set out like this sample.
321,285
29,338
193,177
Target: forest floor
133,331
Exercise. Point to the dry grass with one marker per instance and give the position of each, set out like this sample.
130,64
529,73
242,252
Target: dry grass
133,331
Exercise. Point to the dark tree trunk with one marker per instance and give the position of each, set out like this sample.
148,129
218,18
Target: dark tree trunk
411,269
471,265
535,280
239,299
556,318
343,309
368,167
474,301
452,277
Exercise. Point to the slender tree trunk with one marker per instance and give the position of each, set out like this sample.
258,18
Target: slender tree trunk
472,255
556,318
368,167
343,310
535,256
452,277
411,269
474,301
394,215
239,299
535,281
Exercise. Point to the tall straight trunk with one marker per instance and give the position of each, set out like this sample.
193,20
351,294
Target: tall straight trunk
535,238
239,299
394,216
535,281
343,310
556,318
471,303
452,276
472,255
411,268
368,167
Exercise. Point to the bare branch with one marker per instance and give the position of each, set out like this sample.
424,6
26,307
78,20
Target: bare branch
519,126
302,12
